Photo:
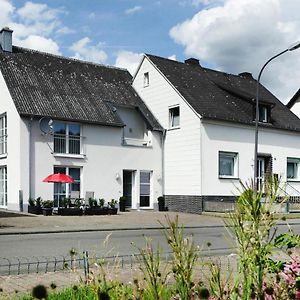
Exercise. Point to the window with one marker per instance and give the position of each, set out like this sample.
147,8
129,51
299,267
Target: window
63,190
3,186
146,79
174,117
228,164
292,171
145,178
3,135
67,138
263,114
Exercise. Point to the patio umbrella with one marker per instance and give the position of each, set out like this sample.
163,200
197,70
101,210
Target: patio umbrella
59,178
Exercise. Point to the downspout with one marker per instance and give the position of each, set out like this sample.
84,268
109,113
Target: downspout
201,164
30,156
163,161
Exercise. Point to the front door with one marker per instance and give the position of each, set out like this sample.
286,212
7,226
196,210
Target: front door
128,186
260,173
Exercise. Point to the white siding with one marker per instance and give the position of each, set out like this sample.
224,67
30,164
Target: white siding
105,157
182,146
14,146
233,138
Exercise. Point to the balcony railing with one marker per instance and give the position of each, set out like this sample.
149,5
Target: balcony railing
70,144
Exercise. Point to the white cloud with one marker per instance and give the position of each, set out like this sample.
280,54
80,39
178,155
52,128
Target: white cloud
40,43
241,35
133,10
128,60
83,50
6,11
35,12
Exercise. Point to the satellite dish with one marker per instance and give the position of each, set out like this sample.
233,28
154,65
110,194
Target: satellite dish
46,125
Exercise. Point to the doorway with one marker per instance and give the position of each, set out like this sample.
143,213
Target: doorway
128,179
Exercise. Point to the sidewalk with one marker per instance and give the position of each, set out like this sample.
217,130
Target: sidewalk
133,220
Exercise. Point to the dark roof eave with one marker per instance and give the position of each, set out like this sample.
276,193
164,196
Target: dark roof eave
75,120
293,100
252,123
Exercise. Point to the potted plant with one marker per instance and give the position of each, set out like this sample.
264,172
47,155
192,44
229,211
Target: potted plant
112,209
122,203
96,208
69,208
34,206
161,204
47,207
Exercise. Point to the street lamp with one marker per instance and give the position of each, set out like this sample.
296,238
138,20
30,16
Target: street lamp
291,48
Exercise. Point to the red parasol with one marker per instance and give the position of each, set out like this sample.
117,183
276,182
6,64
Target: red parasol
62,178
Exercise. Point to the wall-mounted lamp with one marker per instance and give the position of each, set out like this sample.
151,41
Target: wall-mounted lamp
117,176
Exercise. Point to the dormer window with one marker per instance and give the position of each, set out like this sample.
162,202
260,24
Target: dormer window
263,113
146,79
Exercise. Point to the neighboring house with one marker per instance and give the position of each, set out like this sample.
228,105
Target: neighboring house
209,140
103,134
294,104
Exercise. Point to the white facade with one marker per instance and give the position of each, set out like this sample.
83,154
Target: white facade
191,151
104,156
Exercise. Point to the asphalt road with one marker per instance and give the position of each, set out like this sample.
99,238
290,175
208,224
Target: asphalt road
110,243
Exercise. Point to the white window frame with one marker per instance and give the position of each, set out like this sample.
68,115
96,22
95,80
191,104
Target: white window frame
146,79
265,111
150,172
171,117
67,138
68,185
227,154
3,134
3,182
296,162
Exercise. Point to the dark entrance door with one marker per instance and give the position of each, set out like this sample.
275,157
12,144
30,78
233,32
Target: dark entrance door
127,187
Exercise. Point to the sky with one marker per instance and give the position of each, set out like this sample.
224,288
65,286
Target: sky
228,35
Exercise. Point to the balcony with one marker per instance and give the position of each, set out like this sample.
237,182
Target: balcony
68,145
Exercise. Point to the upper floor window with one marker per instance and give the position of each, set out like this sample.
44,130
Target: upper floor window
292,172
67,138
228,164
263,114
146,79
3,135
174,117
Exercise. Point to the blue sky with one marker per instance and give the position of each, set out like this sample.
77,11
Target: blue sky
229,35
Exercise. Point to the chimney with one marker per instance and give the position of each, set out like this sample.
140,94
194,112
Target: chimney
6,39
246,75
192,61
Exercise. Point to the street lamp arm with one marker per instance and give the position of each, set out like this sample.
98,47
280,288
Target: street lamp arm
275,56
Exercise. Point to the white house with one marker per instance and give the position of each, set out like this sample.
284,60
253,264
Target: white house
103,134
208,117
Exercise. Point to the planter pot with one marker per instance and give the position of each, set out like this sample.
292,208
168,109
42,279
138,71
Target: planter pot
112,211
37,210
47,211
69,211
96,211
122,206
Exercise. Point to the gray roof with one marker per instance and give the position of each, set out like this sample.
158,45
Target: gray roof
224,97
43,84
294,99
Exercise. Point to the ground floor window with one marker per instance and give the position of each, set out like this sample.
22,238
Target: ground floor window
63,190
228,164
3,186
145,184
292,168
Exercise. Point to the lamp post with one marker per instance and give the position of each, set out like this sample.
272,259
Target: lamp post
291,48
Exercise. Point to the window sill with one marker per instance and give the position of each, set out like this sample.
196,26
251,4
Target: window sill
67,155
229,177
3,155
174,128
293,180
136,143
